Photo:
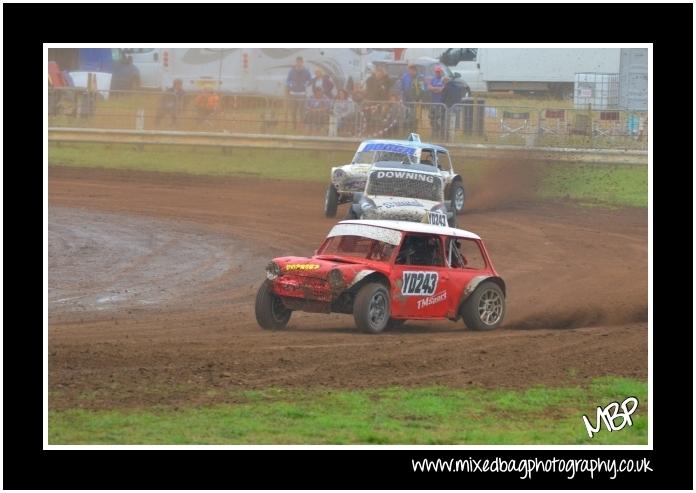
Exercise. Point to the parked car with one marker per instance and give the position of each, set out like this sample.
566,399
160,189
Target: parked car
385,273
407,192
349,179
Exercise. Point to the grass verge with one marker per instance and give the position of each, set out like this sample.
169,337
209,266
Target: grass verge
431,415
603,184
261,163
591,184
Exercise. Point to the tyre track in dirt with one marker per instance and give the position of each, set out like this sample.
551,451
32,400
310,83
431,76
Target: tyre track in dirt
577,282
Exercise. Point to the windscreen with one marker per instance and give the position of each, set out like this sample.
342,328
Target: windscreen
357,247
375,152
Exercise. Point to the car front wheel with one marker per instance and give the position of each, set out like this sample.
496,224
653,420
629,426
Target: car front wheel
350,214
457,196
271,313
484,309
371,308
331,201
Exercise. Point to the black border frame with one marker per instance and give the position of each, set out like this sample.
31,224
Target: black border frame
26,27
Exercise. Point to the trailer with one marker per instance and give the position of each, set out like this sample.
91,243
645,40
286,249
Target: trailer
534,69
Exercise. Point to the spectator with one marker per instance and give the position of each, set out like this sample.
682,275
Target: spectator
412,87
343,110
207,104
322,81
172,103
296,89
350,84
357,93
392,116
642,127
452,94
317,110
412,90
376,91
377,85
437,114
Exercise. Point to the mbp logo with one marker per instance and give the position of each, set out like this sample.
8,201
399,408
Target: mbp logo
609,415
419,283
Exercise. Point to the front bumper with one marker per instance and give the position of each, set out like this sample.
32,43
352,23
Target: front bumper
305,287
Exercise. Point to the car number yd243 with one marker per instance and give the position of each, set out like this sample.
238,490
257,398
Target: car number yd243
437,218
419,283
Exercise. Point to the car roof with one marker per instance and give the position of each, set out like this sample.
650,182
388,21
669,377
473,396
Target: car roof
413,227
398,165
407,143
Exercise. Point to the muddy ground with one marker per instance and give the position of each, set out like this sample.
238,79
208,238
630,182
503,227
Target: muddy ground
152,279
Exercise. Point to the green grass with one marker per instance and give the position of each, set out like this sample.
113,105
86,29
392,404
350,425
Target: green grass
591,184
266,163
432,415
603,184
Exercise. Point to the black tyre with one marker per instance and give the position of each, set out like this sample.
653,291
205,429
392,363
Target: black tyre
331,201
351,213
458,197
271,314
452,221
484,309
395,323
371,308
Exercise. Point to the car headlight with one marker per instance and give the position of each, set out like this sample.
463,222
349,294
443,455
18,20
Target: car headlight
272,271
336,280
367,204
339,174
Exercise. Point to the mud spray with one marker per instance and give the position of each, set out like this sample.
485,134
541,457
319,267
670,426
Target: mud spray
591,287
504,182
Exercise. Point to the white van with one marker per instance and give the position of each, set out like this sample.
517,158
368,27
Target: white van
148,63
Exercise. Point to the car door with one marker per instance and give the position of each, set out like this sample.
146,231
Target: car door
465,261
420,287
443,163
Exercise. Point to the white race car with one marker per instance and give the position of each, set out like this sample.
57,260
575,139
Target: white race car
350,179
403,192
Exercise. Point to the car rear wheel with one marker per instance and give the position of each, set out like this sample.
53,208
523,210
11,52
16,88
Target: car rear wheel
331,201
485,308
458,197
371,308
271,314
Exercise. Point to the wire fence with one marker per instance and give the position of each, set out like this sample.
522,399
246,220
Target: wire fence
471,122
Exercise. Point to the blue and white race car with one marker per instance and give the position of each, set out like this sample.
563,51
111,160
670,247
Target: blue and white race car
350,179
403,192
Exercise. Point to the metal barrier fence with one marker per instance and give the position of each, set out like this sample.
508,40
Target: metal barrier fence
471,123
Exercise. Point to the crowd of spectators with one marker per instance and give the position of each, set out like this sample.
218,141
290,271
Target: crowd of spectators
381,106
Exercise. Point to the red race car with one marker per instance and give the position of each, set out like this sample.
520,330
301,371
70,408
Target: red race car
385,273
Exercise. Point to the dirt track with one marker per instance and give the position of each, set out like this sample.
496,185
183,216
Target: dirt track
152,279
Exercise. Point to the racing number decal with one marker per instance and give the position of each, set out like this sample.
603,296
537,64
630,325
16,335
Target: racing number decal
419,283
437,218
